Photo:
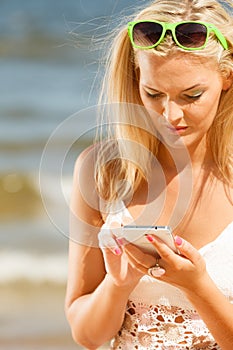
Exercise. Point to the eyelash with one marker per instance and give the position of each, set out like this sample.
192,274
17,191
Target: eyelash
157,96
154,96
195,97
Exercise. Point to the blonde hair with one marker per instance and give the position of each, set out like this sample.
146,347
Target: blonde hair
119,162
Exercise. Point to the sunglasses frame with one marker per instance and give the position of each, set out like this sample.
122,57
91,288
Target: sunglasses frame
172,27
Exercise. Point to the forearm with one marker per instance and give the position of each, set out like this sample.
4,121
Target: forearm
95,318
215,310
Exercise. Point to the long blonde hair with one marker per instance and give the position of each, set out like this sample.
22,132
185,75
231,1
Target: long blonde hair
121,165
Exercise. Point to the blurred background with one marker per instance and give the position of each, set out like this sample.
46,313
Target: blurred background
49,71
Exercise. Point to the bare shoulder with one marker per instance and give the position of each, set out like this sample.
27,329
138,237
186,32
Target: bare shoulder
84,193
85,163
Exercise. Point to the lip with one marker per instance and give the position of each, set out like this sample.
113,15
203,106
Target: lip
177,129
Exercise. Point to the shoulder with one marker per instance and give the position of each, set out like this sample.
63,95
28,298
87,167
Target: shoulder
85,200
85,165
99,163
86,160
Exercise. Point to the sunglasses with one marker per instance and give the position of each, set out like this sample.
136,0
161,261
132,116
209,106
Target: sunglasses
189,35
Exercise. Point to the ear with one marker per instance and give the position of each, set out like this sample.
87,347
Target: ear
227,81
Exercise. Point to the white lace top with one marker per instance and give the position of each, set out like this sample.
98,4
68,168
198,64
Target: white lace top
159,316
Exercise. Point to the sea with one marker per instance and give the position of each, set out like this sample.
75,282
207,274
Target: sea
50,73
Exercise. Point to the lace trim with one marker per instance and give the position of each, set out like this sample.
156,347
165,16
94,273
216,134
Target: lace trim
149,327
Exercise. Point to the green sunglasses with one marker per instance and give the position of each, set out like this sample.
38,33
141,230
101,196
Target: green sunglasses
189,35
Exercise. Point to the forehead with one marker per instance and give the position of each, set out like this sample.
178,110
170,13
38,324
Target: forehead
179,70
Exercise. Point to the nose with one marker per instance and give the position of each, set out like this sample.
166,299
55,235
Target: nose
172,111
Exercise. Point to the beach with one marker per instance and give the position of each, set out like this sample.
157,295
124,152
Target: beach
29,321
33,271
35,318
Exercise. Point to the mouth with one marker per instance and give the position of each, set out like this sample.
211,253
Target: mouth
178,130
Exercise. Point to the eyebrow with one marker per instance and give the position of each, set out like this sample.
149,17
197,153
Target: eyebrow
193,87
190,88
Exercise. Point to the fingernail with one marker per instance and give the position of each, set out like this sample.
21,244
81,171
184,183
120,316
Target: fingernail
150,238
178,240
120,241
117,251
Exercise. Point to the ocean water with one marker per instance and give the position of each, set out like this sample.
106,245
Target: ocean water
49,72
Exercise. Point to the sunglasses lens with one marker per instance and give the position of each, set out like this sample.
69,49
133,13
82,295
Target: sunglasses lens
191,34
146,33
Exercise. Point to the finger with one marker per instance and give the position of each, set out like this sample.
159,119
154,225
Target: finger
106,240
167,255
144,262
160,246
187,250
110,255
137,257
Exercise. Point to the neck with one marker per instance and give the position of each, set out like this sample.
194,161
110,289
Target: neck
198,156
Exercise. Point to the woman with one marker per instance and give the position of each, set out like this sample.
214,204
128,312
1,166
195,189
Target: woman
169,89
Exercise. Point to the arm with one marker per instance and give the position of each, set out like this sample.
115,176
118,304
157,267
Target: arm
188,272
95,301
95,308
215,310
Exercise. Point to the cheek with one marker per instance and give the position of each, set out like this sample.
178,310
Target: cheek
144,98
151,104
212,104
148,102
206,111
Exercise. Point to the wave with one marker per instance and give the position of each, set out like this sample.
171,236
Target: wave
38,143
22,267
21,194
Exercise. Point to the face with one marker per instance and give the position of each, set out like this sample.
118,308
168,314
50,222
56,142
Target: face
181,94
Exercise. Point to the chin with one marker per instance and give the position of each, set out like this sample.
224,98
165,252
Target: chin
173,141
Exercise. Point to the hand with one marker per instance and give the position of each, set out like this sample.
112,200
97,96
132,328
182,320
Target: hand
124,268
186,270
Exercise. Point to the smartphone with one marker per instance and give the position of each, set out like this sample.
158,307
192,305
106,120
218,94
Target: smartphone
137,236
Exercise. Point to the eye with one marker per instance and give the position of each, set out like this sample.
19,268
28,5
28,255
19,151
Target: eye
195,96
153,95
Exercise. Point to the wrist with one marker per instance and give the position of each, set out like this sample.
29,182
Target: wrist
119,287
201,289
